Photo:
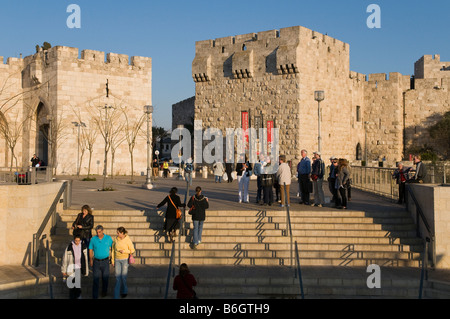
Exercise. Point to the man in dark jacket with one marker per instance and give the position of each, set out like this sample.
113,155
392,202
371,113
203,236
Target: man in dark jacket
421,170
198,205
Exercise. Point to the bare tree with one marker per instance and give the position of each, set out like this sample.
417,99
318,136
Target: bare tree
132,128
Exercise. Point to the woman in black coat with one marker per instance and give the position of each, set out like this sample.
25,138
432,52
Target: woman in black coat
199,205
83,225
171,223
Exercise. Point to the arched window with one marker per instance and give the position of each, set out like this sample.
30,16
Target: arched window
358,152
244,48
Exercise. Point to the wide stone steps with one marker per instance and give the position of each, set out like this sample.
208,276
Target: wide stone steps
241,282
325,237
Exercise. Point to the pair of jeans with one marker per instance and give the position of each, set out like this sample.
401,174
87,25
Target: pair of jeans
188,178
100,269
121,271
218,178
198,229
243,181
319,197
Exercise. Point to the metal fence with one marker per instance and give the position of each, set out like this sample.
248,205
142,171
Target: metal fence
379,180
25,176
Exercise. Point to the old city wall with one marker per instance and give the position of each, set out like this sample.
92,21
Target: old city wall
383,113
274,74
424,107
236,74
11,106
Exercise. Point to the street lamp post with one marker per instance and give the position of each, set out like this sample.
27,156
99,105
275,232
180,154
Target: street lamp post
319,96
78,126
148,109
180,177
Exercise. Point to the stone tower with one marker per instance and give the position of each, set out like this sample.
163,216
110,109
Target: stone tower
53,88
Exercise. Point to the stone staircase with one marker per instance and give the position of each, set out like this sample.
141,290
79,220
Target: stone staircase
257,238
246,254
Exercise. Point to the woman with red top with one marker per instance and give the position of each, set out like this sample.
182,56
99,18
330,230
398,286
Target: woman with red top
184,282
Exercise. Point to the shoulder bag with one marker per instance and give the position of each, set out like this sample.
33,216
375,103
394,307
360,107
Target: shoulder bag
178,210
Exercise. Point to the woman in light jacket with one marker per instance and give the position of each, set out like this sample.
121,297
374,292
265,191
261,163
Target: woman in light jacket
74,258
122,249
343,176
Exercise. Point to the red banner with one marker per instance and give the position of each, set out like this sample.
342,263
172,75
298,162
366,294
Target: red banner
269,131
245,127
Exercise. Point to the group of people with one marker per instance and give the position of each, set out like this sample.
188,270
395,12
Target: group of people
310,174
101,251
402,175
98,252
198,204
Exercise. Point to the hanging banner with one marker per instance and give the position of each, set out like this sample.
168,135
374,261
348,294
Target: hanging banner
245,126
270,126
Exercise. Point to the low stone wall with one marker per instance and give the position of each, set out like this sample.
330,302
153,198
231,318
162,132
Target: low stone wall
22,211
435,203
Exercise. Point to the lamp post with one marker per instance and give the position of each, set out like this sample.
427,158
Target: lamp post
180,177
78,126
148,109
319,96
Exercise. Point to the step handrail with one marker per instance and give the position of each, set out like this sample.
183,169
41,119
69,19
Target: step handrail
419,213
288,223
49,216
299,271
166,294
289,233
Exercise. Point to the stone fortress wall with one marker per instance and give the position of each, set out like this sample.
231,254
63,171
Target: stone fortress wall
274,74
61,86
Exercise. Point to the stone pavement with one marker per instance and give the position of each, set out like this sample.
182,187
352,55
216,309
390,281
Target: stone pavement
222,196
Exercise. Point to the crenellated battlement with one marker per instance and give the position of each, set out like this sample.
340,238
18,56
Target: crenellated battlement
62,53
278,52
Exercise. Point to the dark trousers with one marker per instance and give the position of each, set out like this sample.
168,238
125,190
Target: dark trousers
74,293
401,193
100,269
343,197
268,194
259,192
230,178
333,190
304,188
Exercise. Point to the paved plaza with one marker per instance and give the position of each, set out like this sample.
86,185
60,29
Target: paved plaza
222,196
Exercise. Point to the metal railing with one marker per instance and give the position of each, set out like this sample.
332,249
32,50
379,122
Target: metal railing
170,270
25,176
49,217
375,180
379,180
288,232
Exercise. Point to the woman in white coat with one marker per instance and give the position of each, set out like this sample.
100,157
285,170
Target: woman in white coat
218,171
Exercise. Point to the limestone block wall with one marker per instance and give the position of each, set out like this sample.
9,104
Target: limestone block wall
384,112
61,86
425,106
21,214
435,202
274,74
11,107
183,113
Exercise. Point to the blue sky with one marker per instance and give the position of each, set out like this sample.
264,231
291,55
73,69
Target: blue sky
167,31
